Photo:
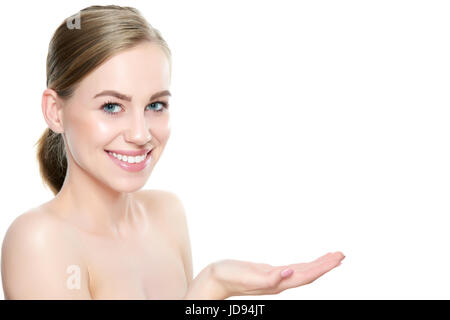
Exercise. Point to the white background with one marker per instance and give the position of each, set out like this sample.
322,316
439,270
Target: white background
298,128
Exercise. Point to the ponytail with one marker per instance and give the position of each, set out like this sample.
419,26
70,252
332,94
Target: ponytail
51,156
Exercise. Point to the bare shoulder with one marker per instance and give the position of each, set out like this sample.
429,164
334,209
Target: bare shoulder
163,204
167,209
170,210
37,228
36,255
33,228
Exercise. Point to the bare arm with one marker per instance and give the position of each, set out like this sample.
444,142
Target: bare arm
38,262
228,277
205,286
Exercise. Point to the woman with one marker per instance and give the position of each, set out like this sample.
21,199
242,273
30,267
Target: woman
101,237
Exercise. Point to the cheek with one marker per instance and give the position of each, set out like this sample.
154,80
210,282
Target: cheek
161,129
86,134
96,132
104,129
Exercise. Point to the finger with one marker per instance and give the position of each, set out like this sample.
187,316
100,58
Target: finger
280,274
305,273
286,273
320,269
282,279
304,266
334,255
325,256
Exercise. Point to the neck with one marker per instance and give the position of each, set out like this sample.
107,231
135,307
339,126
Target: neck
92,205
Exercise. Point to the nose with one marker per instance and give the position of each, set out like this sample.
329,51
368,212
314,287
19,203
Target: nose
138,131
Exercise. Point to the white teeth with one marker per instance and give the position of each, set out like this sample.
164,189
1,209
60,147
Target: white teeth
129,159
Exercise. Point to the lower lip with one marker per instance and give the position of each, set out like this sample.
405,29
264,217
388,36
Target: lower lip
133,167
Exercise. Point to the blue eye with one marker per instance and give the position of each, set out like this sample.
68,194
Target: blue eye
109,106
164,105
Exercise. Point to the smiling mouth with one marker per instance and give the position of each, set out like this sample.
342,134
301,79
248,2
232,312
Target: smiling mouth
129,159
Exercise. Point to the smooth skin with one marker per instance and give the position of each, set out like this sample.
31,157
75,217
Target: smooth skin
238,278
128,243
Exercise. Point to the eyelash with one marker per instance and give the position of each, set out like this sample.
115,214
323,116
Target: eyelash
108,103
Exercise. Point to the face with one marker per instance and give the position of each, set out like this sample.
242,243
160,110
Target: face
95,121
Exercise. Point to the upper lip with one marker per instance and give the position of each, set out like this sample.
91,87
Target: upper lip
131,152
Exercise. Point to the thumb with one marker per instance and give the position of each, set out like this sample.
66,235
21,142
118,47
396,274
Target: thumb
286,272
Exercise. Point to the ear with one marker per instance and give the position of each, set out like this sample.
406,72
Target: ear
52,110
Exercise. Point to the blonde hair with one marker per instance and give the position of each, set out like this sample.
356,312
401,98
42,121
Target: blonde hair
73,53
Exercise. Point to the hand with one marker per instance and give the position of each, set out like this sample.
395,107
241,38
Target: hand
247,278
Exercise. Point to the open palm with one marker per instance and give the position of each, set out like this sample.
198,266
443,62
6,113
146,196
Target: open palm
249,278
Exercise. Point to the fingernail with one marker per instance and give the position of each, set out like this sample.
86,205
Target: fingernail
287,272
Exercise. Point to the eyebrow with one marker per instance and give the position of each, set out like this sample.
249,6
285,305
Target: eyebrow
128,98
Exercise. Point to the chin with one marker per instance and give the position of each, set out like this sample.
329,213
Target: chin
128,185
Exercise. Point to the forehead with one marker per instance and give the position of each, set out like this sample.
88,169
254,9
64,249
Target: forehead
139,71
